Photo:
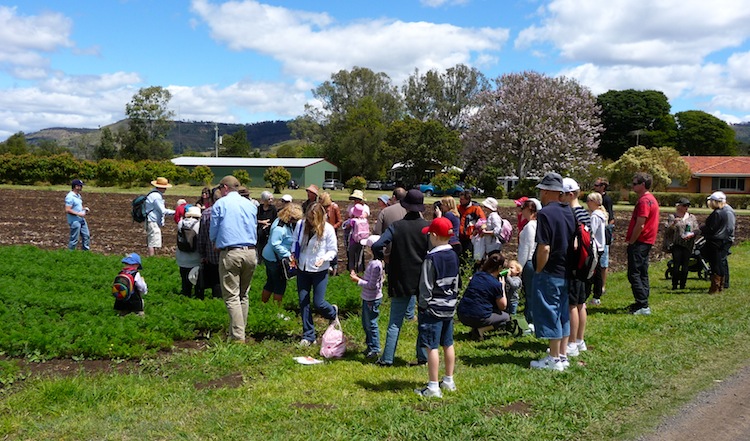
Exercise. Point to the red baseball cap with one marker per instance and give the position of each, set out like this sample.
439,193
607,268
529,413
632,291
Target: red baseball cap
441,226
520,201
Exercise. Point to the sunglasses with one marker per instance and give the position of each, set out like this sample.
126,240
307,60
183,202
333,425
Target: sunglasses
637,183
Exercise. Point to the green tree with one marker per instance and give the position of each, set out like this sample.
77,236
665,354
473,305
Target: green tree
444,181
278,177
49,147
702,134
664,164
149,122
202,174
532,124
15,145
236,145
287,150
356,183
634,117
107,147
446,97
243,176
420,146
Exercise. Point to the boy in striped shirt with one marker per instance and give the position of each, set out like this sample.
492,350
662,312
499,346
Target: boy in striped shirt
438,294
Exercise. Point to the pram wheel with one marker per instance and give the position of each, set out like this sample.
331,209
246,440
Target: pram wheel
668,272
703,274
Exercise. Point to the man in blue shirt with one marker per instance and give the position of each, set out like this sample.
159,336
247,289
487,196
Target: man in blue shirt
155,212
76,213
234,227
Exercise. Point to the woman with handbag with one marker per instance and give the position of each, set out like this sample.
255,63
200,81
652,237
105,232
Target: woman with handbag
680,240
278,248
316,246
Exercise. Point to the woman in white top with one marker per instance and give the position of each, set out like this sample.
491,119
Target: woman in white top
599,218
494,226
526,248
316,248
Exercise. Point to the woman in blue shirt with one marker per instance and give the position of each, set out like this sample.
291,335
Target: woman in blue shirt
279,246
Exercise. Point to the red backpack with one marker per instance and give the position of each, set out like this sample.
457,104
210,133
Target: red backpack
124,285
582,254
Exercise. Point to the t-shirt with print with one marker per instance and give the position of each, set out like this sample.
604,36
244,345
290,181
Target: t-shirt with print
645,207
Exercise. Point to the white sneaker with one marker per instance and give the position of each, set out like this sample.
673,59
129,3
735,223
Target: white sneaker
304,343
548,363
531,327
427,392
572,350
595,302
642,311
582,346
564,361
444,385
283,317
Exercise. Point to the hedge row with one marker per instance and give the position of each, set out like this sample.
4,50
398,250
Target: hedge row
737,201
61,169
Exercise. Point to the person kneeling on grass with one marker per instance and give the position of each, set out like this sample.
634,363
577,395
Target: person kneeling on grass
438,294
483,305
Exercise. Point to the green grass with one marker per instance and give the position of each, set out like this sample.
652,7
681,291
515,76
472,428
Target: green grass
638,369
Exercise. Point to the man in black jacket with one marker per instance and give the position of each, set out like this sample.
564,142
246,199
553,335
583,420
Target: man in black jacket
408,249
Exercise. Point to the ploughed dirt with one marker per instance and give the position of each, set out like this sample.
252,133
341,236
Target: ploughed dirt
36,217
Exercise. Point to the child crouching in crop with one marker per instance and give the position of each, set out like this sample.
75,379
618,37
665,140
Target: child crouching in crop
372,295
438,294
130,287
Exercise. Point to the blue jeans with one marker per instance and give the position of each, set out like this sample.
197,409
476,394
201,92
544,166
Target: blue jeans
551,315
317,283
79,227
638,272
528,291
411,307
399,307
370,315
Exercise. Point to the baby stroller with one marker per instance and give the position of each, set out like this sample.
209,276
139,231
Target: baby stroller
696,264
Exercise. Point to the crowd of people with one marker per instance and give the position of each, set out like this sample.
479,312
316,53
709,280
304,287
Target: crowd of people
225,234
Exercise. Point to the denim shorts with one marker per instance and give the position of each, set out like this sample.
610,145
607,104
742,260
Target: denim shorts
435,332
551,315
604,258
275,280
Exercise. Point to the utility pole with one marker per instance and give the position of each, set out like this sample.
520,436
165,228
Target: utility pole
216,138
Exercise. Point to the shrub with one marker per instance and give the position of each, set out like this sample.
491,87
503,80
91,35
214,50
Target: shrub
277,177
356,183
525,187
243,176
444,181
203,175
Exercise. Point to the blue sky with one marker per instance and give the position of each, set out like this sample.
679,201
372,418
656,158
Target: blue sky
78,63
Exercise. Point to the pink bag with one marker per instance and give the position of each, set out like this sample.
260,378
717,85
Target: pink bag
333,342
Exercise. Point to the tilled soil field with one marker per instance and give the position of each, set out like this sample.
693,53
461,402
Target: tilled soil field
37,217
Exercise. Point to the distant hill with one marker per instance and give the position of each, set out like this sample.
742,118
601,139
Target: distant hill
742,134
197,136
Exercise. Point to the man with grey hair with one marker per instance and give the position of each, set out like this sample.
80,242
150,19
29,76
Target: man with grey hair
233,231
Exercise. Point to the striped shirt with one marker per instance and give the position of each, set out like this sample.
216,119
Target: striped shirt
438,283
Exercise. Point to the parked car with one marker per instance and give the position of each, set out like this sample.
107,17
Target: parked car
430,190
332,184
388,185
374,185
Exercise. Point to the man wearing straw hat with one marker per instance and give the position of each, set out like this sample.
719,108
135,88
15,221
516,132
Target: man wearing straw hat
156,211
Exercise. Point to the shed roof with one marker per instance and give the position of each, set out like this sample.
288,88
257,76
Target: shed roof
227,161
718,165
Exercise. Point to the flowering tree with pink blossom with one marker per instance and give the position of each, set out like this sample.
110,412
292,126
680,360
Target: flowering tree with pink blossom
530,124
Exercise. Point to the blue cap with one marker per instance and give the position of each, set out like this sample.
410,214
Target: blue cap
132,259
75,182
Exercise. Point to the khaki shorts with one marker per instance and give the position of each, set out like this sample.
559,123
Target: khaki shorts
153,235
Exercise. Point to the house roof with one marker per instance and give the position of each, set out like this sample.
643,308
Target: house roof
192,161
735,166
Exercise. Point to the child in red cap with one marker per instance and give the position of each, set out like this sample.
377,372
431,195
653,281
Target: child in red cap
438,294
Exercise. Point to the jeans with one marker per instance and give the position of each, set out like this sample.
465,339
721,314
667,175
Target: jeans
638,272
79,228
399,306
317,283
370,315
551,314
681,261
528,290
411,307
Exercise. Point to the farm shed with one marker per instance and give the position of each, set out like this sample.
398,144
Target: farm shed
305,171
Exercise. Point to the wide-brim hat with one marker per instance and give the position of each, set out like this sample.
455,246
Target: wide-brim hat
132,259
683,201
357,194
312,188
551,182
384,198
413,201
161,182
193,211
717,196
369,240
358,210
490,203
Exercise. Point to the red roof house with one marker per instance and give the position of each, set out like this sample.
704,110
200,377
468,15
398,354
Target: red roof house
730,174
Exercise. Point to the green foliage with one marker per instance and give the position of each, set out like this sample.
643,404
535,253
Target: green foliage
356,183
15,145
107,148
287,150
664,164
702,134
149,120
525,187
28,169
203,175
632,117
278,177
236,145
444,181
243,176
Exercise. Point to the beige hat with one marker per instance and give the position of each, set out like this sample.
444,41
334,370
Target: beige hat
287,198
490,203
357,194
161,182
193,211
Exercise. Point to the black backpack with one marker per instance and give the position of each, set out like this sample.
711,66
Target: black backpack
186,235
137,210
582,255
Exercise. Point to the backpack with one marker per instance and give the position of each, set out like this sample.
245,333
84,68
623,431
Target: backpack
138,207
333,342
360,229
124,285
583,257
506,231
186,235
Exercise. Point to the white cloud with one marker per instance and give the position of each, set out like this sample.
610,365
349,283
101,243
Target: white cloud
438,3
313,45
22,38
